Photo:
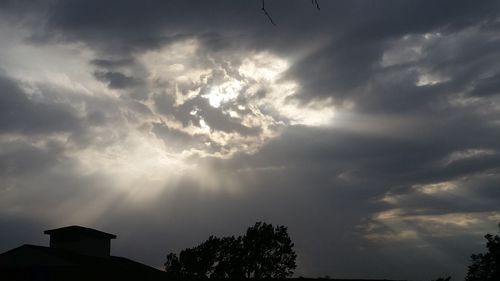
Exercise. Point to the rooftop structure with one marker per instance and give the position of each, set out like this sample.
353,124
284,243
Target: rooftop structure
81,240
75,253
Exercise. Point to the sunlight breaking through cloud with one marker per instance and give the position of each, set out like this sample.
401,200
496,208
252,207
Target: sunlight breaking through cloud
231,105
143,123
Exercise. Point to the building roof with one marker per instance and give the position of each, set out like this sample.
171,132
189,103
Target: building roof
66,265
67,258
80,230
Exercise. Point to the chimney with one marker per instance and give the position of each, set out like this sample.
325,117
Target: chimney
81,240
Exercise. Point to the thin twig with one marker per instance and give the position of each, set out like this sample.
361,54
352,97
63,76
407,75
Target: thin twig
316,3
313,2
266,13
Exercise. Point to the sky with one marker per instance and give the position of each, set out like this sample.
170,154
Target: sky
369,128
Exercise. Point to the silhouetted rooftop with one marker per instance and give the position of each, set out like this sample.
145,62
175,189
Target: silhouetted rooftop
29,262
80,230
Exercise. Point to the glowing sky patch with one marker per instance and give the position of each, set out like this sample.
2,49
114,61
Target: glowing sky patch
250,95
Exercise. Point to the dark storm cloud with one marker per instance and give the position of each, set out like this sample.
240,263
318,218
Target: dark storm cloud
133,26
400,160
24,159
351,37
483,187
336,70
342,68
116,80
112,64
90,20
18,113
20,10
487,86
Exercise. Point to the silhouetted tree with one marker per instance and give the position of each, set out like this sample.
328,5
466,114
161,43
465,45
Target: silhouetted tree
173,265
269,252
197,262
230,262
263,252
443,279
486,267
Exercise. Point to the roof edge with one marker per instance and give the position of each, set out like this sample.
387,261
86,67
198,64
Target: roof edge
80,229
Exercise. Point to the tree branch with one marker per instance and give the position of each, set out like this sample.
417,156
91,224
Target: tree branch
266,13
315,2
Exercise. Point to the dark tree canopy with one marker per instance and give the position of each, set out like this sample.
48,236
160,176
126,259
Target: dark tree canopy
263,252
486,267
443,279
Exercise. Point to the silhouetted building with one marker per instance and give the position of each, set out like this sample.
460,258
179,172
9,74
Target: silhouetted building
75,253
82,240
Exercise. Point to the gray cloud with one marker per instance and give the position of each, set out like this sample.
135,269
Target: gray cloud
112,64
18,113
487,86
116,80
177,140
